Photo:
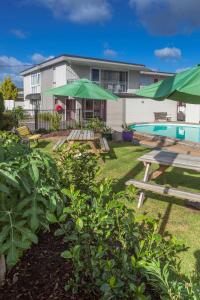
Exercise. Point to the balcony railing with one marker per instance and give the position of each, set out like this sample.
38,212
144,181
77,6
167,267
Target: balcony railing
113,86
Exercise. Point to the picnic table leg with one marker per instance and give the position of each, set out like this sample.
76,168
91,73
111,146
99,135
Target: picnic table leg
145,179
94,149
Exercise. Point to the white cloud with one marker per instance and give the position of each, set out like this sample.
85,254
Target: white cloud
39,58
18,33
110,53
168,53
11,66
167,17
79,11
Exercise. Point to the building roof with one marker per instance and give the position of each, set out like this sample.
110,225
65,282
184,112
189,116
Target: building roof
158,73
81,59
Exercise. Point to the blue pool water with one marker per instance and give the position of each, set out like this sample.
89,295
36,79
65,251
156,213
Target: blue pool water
177,131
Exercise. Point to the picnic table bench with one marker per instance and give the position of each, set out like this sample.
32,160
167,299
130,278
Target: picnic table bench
86,136
165,159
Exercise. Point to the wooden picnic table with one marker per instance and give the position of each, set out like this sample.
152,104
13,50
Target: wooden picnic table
86,136
166,159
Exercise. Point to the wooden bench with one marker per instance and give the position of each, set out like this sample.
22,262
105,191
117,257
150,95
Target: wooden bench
25,134
164,160
104,145
164,190
59,143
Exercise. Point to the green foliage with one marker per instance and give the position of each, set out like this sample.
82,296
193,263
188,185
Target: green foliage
96,124
2,106
106,130
108,246
55,121
77,166
8,89
126,128
7,122
11,146
18,114
44,116
29,190
171,287
53,118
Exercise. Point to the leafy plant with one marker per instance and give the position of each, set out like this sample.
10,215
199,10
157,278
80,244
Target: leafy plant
44,116
108,245
96,124
18,114
126,128
77,166
29,192
55,121
106,129
53,118
170,286
11,146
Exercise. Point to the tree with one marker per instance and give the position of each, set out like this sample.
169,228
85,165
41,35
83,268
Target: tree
2,107
8,89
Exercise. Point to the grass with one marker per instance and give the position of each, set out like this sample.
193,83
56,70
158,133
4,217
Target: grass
174,217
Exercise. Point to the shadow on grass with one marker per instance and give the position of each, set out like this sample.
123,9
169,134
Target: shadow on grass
179,178
165,218
197,265
120,184
43,144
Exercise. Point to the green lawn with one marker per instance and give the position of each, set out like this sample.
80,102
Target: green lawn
175,218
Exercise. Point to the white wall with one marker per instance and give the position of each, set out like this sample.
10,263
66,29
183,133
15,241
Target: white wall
192,113
9,104
115,114
60,75
27,90
142,110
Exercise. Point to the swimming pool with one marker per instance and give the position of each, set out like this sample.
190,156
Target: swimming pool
177,131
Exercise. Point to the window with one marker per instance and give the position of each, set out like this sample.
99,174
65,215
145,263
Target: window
155,80
35,79
95,75
35,83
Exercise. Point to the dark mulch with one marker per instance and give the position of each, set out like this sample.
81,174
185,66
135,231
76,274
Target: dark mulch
41,274
56,133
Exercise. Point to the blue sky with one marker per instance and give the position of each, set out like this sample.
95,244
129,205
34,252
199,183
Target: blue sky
162,34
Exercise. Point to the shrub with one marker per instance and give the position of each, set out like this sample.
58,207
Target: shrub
44,116
96,124
7,122
109,246
29,193
55,121
11,146
53,118
77,166
18,114
2,106
169,286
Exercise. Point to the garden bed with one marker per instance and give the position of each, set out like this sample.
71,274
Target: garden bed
56,133
41,274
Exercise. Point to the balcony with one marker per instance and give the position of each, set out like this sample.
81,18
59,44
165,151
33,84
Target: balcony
113,86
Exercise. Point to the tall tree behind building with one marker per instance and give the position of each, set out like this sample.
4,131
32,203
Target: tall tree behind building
8,89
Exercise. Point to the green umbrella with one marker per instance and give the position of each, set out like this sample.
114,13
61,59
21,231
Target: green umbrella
184,87
83,89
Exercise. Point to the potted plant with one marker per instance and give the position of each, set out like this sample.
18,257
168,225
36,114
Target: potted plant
107,133
127,133
95,124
